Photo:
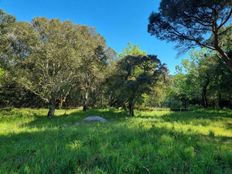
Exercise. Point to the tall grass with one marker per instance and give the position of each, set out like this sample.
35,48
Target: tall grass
152,142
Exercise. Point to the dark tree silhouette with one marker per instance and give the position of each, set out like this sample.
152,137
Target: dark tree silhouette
194,23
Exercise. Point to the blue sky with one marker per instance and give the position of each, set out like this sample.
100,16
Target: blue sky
119,21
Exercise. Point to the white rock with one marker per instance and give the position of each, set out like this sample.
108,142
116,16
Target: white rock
95,119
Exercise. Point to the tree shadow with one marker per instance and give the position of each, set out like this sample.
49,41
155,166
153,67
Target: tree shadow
73,117
229,126
111,147
203,115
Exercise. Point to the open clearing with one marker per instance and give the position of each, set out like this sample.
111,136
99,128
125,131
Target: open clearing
151,142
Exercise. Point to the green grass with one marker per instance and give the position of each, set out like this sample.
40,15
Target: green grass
152,142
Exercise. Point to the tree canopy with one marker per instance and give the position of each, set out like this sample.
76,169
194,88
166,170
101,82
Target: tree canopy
50,57
194,23
52,63
135,75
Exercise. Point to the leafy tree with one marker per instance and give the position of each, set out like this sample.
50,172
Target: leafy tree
134,76
92,67
201,80
46,56
178,95
90,88
220,92
6,21
132,50
194,22
157,96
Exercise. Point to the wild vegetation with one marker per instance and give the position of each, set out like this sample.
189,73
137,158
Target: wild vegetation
65,72
151,142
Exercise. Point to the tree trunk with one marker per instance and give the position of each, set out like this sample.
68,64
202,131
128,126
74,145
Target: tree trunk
51,109
225,58
85,107
223,55
220,105
85,104
101,100
185,105
204,94
204,99
131,108
61,102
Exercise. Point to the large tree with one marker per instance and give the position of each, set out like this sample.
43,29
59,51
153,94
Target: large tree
194,22
92,67
46,56
135,74
6,21
42,56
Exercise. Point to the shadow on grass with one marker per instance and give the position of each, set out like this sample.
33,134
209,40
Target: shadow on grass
112,148
197,115
202,117
229,126
74,117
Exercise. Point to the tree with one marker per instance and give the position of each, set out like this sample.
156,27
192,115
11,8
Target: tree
157,96
201,80
132,50
6,21
207,77
200,73
178,94
194,23
92,67
134,76
46,57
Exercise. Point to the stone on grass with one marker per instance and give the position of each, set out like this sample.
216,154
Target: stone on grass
65,125
95,118
77,124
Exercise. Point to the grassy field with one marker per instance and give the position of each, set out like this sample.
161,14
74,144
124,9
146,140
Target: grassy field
152,142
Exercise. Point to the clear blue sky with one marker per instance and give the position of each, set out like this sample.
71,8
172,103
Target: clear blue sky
119,21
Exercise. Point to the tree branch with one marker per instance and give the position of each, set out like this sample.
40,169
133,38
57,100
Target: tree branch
227,18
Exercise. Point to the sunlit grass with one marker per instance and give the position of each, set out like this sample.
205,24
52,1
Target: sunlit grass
151,142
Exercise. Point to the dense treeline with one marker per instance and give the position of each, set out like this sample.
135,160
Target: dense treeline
201,80
206,78
55,64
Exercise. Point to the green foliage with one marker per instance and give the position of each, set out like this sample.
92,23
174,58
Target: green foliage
134,76
157,95
1,72
5,21
132,50
152,142
201,80
194,23
51,59
46,62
